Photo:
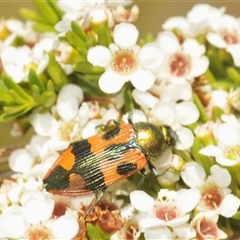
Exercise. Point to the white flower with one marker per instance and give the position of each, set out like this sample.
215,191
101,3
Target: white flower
21,161
170,209
226,34
184,60
215,194
125,61
64,227
12,223
227,135
68,101
208,219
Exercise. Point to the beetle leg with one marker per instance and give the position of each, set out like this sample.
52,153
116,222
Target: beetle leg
143,173
155,171
98,198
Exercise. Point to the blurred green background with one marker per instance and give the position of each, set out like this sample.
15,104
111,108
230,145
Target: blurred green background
152,15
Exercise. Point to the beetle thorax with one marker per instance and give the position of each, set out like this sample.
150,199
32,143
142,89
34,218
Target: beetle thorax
151,140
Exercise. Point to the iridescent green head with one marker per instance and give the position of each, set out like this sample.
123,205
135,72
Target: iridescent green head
154,140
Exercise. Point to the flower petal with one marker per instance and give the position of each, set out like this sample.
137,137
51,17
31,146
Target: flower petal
111,82
99,56
165,112
193,48
193,174
168,42
142,79
187,113
158,233
141,201
144,99
216,40
229,205
125,35
186,138
199,66
150,56
221,176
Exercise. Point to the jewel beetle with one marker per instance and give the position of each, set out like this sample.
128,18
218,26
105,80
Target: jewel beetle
93,164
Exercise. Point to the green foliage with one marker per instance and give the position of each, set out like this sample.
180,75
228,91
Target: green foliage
19,99
48,14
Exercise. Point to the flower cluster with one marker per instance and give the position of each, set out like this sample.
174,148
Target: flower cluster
71,68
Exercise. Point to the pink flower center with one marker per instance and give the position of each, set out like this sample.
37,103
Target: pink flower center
207,228
179,65
38,233
124,62
229,38
211,196
166,213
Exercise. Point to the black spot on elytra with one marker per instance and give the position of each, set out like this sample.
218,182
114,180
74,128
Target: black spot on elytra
126,167
87,165
111,133
57,179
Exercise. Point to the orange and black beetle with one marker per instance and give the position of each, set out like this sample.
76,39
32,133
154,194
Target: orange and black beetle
95,163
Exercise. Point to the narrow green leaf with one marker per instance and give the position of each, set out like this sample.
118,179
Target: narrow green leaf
35,80
92,232
55,7
217,113
104,36
91,40
203,114
4,117
35,93
233,75
32,15
86,67
75,40
182,154
128,99
78,30
47,12
204,161
47,99
15,109
56,73
17,99
43,28
5,96
10,84
89,88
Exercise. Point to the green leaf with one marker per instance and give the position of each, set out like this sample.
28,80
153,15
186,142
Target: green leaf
47,99
89,88
128,99
75,40
204,161
217,113
233,75
5,116
47,12
4,94
91,40
32,15
86,67
11,85
17,99
78,30
43,27
182,154
56,72
56,9
104,36
203,114
15,108
35,80
92,232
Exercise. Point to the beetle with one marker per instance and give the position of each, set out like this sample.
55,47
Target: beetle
94,163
